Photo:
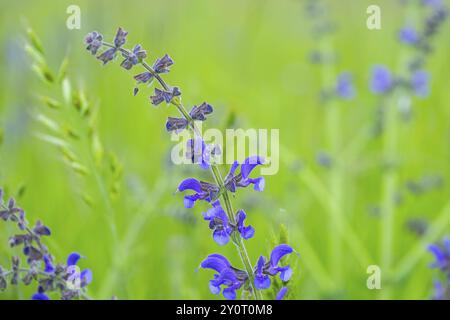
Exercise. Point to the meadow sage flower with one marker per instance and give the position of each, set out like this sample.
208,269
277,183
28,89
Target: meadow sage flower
110,54
94,42
234,180
227,276
409,35
162,65
271,268
162,95
344,86
382,80
134,57
203,191
221,226
420,83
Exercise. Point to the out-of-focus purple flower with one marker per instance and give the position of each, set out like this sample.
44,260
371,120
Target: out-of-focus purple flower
167,96
221,226
133,57
228,276
233,180
439,291
344,86
281,293
162,65
409,35
441,253
120,38
433,3
93,41
200,112
271,268
420,83
203,191
382,80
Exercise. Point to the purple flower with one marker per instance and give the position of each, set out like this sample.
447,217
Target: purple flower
222,228
382,80
203,191
226,275
442,255
344,86
198,152
420,83
162,65
167,96
40,295
110,54
271,268
143,77
85,277
409,35
218,222
281,293
246,232
107,55
233,180
49,268
439,291
199,112
120,38
93,41
41,229
433,3
176,124
134,57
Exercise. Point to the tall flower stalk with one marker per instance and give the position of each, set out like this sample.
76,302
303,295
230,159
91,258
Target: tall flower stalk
225,223
410,80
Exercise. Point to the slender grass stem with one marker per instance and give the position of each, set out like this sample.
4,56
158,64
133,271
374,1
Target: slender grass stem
333,124
390,174
237,239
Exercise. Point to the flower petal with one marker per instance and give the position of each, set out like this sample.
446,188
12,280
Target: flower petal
221,237
439,255
281,293
40,296
86,277
215,262
279,252
249,164
286,273
190,184
262,281
73,258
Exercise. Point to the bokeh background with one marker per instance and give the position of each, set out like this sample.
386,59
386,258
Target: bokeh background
252,61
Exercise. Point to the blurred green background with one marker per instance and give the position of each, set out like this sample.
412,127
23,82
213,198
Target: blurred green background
250,60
